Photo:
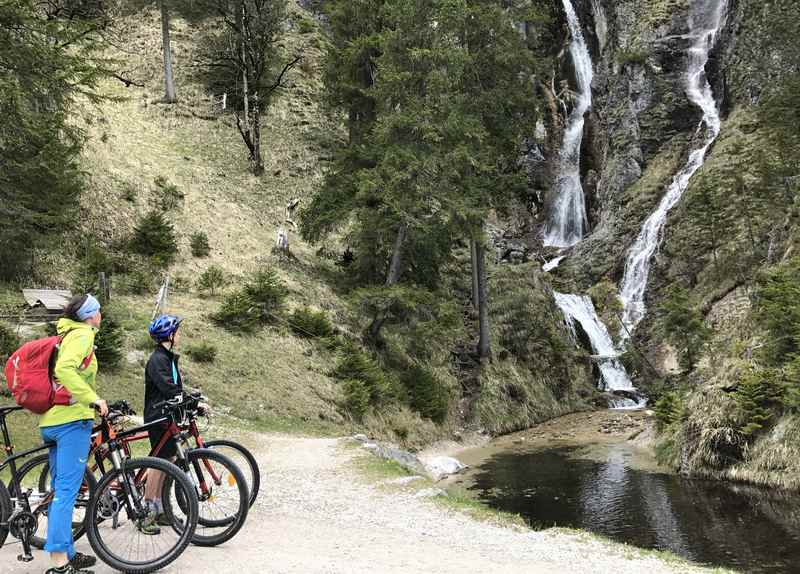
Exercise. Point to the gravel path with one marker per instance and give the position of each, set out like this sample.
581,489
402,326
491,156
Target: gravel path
317,515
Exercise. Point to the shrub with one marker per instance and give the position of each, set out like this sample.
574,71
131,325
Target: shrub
758,396
9,342
108,343
199,244
154,237
427,395
668,410
355,364
308,323
202,352
170,196
136,282
777,309
257,303
632,57
212,280
356,398
684,327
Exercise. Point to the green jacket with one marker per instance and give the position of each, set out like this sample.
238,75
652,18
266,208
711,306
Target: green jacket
78,342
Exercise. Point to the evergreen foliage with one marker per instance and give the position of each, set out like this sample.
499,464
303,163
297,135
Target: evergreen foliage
170,197
427,394
669,409
305,322
202,352
777,309
758,395
212,280
154,237
354,364
257,303
356,397
109,343
438,97
48,57
684,327
199,244
9,342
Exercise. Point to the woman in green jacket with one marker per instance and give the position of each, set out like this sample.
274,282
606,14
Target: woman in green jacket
69,427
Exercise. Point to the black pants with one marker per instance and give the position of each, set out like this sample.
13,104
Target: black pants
170,448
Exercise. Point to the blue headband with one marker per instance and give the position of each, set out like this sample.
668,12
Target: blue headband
89,308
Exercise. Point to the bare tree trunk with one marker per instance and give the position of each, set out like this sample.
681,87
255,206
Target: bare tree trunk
255,130
169,82
374,329
474,257
245,67
484,345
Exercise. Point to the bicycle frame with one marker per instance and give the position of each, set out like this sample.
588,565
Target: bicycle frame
20,500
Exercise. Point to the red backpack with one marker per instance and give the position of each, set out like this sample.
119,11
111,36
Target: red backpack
29,374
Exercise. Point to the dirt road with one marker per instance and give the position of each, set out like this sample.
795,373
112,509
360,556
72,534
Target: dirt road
317,514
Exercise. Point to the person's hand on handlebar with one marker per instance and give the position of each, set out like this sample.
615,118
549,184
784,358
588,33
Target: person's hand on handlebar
203,408
101,406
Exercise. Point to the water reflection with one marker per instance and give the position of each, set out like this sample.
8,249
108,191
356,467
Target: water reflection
708,522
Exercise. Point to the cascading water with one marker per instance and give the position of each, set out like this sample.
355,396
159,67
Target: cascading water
579,308
567,222
705,20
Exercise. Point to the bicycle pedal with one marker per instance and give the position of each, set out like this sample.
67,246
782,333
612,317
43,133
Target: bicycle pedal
24,557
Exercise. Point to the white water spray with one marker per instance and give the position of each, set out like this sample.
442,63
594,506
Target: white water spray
567,223
579,309
705,20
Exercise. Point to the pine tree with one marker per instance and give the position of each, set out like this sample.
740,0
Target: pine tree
48,56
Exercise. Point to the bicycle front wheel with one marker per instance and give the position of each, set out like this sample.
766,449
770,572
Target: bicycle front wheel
119,526
221,491
244,459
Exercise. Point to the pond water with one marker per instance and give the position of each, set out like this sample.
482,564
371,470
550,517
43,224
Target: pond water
713,523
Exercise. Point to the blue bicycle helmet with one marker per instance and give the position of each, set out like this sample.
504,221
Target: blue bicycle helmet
163,327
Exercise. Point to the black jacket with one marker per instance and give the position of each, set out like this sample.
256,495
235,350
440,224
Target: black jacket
159,381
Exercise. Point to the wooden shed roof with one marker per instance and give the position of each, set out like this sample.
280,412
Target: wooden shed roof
50,299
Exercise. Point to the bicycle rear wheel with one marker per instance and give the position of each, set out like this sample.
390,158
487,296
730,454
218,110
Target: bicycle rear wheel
5,512
221,491
244,459
114,522
34,476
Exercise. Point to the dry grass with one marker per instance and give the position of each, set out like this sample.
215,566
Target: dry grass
272,378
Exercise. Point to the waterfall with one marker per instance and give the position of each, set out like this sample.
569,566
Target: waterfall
579,308
705,20
567,223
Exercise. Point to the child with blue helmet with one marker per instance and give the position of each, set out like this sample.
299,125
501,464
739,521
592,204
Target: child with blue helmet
162,381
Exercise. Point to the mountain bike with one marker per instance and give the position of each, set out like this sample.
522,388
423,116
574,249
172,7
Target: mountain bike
114,507
24,504
118,510
219,485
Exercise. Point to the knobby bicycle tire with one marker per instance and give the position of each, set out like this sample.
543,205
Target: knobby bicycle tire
87,489
96,519
5,512
255,483
223,528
